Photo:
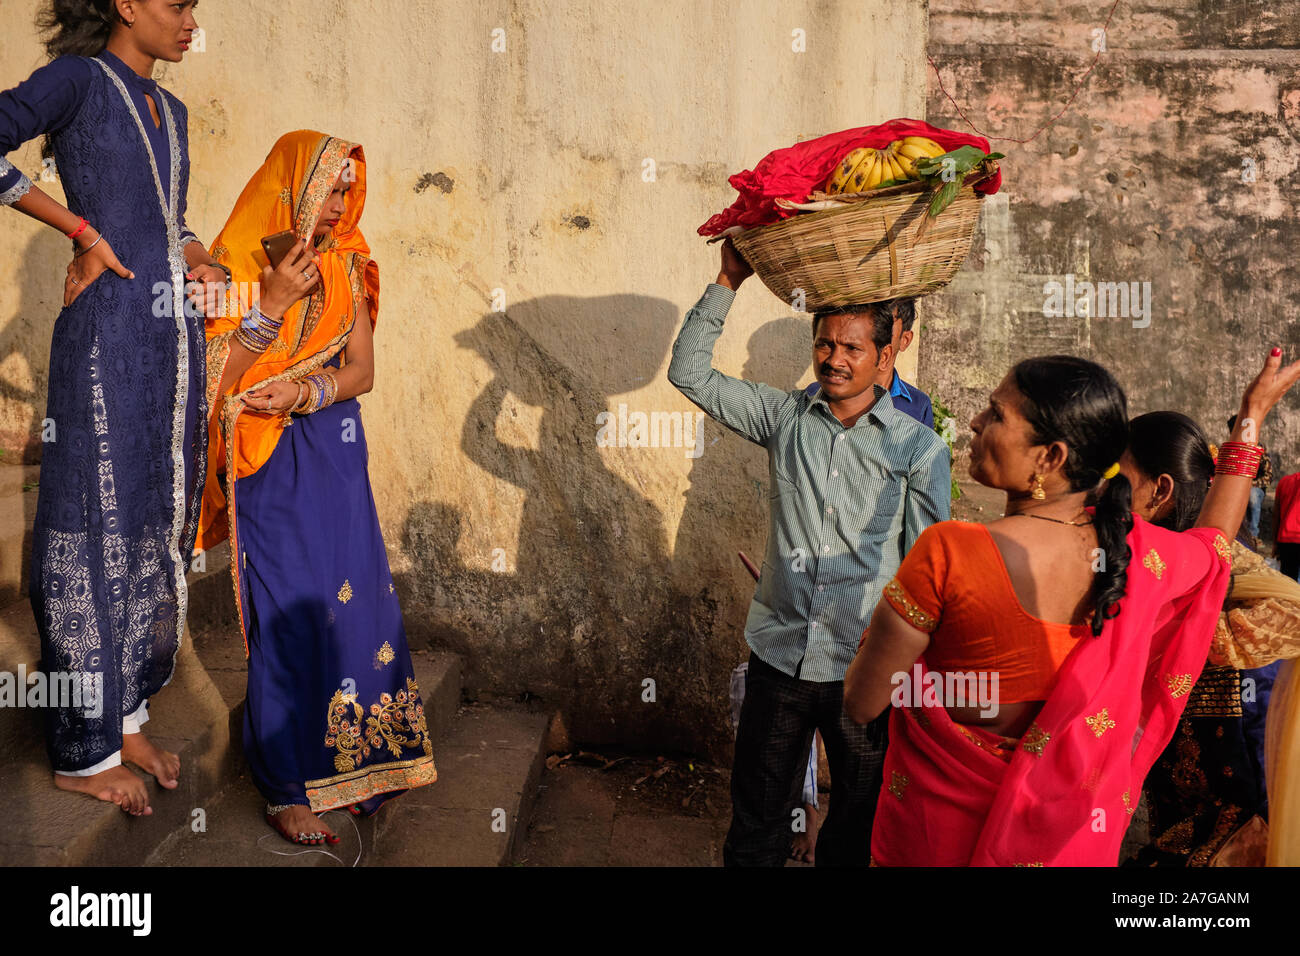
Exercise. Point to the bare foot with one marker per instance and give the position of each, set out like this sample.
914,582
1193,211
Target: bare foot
163,765
116,785
804,845
298,824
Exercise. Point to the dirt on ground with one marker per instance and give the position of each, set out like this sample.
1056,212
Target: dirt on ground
622,810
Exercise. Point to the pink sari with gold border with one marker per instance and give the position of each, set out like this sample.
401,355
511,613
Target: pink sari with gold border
957,795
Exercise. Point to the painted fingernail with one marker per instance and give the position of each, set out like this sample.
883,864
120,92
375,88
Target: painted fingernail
1277,351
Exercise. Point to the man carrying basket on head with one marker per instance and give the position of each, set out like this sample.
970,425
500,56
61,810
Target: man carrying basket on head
854,482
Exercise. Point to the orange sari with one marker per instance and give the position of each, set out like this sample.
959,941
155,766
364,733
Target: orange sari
287,192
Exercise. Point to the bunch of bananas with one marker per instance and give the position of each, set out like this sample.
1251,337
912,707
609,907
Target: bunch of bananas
868,168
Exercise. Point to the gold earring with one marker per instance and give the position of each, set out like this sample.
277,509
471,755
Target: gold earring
1037,492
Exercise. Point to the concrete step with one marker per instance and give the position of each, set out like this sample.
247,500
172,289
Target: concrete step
46,826
489,763
20,648
191,716
477,813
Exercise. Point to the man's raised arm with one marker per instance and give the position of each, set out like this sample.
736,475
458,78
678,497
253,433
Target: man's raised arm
750,409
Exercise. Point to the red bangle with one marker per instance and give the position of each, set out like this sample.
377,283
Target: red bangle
1238,458
82,227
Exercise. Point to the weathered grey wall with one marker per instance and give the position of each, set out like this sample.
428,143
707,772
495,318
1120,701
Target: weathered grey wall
1140,180
560,568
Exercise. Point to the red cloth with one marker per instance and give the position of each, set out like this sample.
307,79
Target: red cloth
957,795
795,171
1287,502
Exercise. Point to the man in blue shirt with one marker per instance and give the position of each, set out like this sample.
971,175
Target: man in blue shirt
853,483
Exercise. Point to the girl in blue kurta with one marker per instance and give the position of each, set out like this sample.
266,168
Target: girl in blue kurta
124,443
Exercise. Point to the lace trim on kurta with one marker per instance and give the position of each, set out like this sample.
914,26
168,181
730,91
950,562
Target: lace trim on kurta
167,199
18,190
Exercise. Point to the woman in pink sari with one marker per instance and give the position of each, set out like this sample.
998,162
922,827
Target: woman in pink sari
1074,633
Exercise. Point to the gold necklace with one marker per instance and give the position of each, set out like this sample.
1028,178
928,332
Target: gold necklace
1072,524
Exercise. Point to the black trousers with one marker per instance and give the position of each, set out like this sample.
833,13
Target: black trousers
777,722
1288,555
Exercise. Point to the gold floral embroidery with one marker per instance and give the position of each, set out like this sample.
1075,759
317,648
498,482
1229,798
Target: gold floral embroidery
220,252
1100,722
1187,776
394,722
1035,740
345,592
1226,823
1217,693
1153,564
361,785
995,750
1179,684
384,655
1177,839
1222,547
286,196
1127,808
218,353
897,783
1027,864
915,616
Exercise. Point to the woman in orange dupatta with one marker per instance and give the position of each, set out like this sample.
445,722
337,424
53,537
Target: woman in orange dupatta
1081,633
333,716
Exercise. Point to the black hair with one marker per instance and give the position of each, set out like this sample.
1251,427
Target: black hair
1078,402
77,27
1170,443
1232,423
883,315
904,310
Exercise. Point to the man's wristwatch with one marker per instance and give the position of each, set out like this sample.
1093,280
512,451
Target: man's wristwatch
230,278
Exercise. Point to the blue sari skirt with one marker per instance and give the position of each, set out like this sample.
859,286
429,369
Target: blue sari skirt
333,716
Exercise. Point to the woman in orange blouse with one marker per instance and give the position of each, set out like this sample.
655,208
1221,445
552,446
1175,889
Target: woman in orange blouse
1075,634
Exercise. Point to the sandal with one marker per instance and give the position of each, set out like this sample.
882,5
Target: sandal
302,839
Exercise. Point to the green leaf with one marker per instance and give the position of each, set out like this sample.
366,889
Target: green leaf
944,196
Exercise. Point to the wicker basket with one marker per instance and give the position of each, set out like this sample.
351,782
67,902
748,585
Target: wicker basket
868,250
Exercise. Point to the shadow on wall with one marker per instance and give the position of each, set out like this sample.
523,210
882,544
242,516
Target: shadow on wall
594,602
28,334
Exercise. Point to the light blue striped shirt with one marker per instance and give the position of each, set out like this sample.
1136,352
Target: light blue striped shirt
846,503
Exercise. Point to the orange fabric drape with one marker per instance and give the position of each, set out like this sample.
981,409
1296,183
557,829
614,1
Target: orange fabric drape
287,192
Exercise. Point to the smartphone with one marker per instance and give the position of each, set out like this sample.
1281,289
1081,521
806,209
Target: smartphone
277,247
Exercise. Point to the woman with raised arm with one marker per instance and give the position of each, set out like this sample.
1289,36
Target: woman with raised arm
333,716
1209,783
123,465
1083,630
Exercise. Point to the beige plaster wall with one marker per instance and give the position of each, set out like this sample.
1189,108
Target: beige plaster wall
561,569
